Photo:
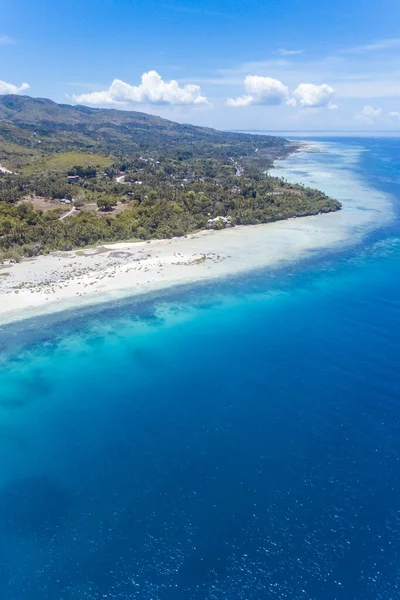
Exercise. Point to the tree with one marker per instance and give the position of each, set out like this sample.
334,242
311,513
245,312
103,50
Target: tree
106,203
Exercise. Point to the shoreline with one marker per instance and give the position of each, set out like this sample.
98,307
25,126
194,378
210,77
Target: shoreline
69,280
62,281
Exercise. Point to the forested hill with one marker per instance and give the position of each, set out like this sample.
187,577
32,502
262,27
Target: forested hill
71,176
39,123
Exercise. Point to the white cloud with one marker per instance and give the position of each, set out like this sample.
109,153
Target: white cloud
261,91
240,101
100,98
10,88
285,52
152,90
5,40
314,96
268,91
387,44
369,114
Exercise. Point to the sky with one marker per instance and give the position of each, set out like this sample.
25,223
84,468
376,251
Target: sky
230,64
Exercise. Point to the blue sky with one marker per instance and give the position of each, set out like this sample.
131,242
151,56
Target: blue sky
254,64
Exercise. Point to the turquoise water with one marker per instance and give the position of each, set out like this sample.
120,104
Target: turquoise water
238,440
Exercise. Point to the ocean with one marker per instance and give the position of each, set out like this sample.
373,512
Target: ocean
234,440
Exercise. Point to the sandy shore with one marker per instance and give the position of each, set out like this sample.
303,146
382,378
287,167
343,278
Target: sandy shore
69,279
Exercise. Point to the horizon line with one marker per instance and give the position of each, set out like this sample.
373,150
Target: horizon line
324,130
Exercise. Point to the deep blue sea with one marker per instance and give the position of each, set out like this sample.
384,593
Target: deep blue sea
236,440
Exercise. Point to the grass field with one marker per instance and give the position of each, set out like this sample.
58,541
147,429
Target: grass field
66,160
19,159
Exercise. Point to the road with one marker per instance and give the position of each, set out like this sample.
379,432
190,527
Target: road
69,213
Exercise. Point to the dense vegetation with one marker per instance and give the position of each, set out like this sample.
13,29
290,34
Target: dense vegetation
130,176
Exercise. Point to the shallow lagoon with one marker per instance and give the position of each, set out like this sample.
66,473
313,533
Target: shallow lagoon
236,440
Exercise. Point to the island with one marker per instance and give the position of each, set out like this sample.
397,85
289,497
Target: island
73,176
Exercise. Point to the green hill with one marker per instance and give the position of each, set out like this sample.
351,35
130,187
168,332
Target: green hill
42,126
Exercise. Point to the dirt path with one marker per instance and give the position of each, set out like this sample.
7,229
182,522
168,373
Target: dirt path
68,214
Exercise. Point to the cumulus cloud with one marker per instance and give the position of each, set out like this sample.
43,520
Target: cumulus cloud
369,114
152,90
268,91
10,88
261,90
101,98
240,101
314,96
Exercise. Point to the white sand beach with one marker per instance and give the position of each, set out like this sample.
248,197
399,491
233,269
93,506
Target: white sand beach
65,280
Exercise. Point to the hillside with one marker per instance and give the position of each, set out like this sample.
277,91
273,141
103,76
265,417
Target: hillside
41,126
82,176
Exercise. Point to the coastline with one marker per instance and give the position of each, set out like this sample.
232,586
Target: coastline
66,280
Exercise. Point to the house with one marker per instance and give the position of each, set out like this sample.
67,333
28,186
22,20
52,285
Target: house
73,178
220,221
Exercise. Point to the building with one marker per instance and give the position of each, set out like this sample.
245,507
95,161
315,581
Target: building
220,221
73,178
